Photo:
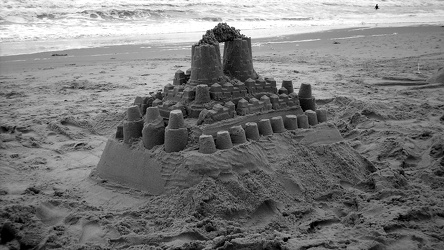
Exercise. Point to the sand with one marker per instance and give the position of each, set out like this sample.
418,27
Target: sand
375,182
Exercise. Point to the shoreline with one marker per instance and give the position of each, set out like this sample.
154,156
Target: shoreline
350,33
304,36
182,50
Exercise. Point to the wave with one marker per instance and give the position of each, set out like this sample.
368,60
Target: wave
205,10
296,18
131,14
257,19
112,14
70,20
209,19
137,15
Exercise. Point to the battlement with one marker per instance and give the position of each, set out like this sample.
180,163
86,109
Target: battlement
283,120
224,91
198,105
263,89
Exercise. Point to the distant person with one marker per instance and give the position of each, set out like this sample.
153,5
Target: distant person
376,7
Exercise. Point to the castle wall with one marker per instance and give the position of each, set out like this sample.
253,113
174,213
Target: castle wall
133,167
212,129
156,172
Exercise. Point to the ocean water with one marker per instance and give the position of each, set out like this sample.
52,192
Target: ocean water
30,26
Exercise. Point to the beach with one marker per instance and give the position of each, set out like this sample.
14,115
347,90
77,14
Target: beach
59,108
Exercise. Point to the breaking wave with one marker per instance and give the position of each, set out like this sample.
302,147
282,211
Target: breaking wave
53,20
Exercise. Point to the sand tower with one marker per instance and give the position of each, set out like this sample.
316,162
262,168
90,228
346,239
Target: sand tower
206,67
306,99
238,59
153,132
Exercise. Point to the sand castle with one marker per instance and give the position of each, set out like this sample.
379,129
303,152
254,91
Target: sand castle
215,105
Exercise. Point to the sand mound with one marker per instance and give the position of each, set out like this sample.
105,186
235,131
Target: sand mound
292,162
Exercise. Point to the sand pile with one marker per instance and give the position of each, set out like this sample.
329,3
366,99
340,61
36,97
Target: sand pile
255,184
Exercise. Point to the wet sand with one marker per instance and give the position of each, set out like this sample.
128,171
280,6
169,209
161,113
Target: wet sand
57,112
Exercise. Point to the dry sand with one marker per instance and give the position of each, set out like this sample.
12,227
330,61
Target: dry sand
382,187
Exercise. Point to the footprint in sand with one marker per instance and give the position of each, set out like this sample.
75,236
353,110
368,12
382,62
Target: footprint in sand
50,214
92,232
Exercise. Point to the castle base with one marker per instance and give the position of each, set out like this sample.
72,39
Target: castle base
134,168
156,172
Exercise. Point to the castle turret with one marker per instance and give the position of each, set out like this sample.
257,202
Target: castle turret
206,66
288,85
238,59
306,100
176,134
179,78
202,94
132,127
153,132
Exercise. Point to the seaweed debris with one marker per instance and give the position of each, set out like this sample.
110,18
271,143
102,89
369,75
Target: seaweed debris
222,32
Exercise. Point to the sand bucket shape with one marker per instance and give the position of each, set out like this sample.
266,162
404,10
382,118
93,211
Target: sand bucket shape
265,128
176,136
238,59
291,122
206,66
133,113
312,117
305,91
175,139
322,115
152,115
132,130
303,121
277,124
176,119
153,134
138,100
206,144
252,131
307,103
202,94
237,134
288,85
223,140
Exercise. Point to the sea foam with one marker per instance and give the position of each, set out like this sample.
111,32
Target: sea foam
78,24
